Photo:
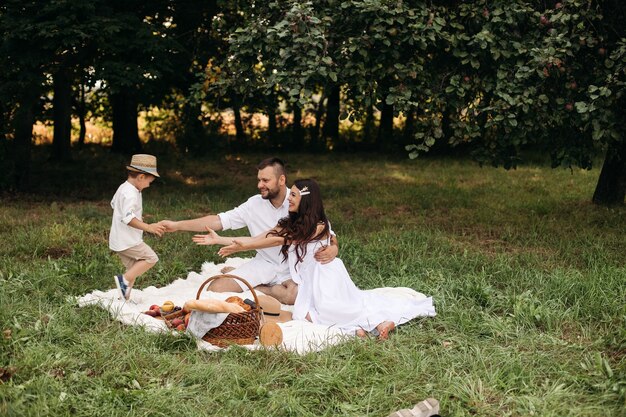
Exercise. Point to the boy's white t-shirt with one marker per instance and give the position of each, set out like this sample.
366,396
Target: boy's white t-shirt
127,204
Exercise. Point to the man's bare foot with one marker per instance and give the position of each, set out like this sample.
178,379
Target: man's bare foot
384,329
361,333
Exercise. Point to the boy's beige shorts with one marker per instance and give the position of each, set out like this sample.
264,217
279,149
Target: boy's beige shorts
140,252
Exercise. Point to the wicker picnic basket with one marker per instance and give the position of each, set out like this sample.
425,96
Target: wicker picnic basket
238,328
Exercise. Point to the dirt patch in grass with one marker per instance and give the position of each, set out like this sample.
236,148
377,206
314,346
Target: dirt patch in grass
371,212
491,243
56,252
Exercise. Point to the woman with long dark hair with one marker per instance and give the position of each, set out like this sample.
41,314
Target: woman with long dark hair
326,293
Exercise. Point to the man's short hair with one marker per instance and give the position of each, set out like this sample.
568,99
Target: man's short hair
276,163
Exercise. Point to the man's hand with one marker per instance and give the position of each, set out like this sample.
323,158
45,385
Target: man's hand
326,254
169,225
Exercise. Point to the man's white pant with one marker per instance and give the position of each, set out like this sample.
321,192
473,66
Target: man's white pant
260,272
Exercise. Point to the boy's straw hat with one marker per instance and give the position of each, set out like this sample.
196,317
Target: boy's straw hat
146,164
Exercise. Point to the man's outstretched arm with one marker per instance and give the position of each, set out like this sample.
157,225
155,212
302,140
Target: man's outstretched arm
200,224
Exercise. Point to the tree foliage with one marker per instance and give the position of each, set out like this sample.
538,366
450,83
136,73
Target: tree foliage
498,76
490,77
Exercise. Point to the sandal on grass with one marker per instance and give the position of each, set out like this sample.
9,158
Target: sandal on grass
427,408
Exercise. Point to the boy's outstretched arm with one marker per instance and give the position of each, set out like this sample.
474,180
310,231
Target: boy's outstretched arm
155,228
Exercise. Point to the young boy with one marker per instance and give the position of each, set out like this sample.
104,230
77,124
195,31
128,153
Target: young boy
127,227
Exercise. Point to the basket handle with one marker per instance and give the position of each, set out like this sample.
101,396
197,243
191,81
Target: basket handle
214,277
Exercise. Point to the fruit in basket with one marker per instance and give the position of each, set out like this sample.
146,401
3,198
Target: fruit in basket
187,316
181,327
151,313
177,322
155,307
168,306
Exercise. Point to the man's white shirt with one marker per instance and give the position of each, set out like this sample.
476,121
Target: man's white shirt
258,215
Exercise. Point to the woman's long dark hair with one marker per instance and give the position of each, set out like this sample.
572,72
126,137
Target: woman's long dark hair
300,228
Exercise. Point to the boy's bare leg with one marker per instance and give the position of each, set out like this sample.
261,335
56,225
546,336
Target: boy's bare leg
138,268
286,292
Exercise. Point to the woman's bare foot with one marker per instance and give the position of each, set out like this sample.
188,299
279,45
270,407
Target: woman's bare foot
384,329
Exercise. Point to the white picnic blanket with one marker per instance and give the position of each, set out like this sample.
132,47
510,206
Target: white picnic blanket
298,336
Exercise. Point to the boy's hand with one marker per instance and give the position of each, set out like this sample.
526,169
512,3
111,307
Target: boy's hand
156,228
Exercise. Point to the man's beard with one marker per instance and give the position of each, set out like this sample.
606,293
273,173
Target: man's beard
270,194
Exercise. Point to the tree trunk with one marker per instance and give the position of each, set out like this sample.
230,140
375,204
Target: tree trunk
315,135
125,130
192,136
611,187
446,122
297,138
385,130
24,119
331,124
408,135
4,121
240,135
271,121
81,109
62,116
368,128
442,145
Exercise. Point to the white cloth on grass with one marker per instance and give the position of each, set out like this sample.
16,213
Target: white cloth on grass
327,293
298,336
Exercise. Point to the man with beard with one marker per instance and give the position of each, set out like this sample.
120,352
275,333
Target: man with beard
266,271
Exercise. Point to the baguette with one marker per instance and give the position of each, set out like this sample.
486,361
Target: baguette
211,305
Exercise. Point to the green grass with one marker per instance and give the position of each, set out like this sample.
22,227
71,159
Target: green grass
528,277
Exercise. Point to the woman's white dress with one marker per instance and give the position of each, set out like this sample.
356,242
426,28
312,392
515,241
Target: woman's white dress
326,292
